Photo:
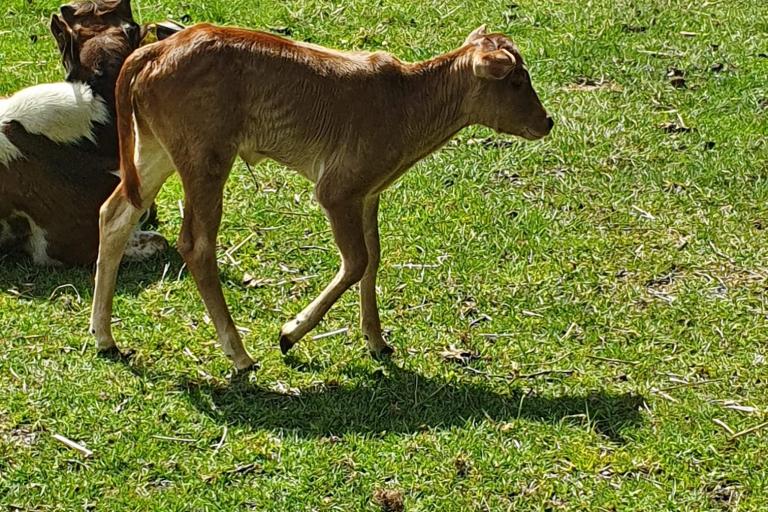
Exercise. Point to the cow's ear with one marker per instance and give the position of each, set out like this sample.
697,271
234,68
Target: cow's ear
60,31
134,33
123,10
68,14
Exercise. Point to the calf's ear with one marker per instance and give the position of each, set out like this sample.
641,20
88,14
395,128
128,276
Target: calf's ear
476,34
166,29
158,31
134,33
493,65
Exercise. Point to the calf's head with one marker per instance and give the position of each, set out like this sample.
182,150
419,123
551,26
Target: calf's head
503,98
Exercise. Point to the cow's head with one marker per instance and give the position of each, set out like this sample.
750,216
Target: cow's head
96,36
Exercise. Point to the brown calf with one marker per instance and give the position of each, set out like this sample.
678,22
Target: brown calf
352,123
58,142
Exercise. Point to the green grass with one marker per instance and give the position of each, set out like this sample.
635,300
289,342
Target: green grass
629,259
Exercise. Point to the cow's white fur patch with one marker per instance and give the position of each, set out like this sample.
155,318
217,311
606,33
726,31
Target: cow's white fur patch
64,112
36,245
8,152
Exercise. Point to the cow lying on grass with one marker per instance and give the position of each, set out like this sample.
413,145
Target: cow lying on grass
58,142
352,123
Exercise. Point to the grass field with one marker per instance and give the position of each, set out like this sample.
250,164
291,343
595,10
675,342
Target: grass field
606,287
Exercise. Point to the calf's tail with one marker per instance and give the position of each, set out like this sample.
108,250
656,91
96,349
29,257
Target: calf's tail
124,106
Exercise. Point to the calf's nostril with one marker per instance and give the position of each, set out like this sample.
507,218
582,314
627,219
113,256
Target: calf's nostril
550,122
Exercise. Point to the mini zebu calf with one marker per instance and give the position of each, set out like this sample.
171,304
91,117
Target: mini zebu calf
352,123
58,142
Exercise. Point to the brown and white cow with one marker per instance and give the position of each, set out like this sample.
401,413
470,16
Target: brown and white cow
58,142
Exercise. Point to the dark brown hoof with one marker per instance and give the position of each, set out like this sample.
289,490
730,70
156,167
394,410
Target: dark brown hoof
285,344
384,353
115,354
248,369
241,375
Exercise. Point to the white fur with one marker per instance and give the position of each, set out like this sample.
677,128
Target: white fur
37,245
319,171
152,163
313,170
64,112
8,152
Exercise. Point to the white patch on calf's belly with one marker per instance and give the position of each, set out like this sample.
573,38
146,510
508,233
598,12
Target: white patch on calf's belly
314,171
64,112
320,171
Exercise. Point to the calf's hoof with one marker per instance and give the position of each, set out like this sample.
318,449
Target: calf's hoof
115,354
240,375
384,352
106,344
285,344
244,368
377,346
243,361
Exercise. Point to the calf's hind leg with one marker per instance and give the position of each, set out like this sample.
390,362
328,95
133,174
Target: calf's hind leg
117,220
203,190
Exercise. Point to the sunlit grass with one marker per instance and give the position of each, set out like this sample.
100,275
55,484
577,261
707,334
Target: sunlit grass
608,284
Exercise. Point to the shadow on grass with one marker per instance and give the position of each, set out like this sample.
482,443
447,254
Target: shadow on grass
20,277
399,400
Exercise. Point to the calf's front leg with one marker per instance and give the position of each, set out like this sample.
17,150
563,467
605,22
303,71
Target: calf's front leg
369,310
346,218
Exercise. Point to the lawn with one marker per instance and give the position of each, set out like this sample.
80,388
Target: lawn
580,322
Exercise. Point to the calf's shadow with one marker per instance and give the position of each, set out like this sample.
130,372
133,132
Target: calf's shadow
392,399
399,400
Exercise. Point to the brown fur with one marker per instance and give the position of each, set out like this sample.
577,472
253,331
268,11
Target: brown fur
350,122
